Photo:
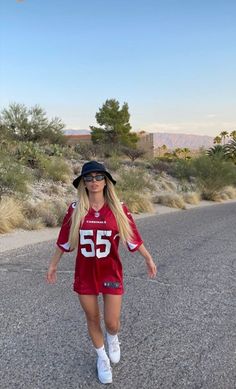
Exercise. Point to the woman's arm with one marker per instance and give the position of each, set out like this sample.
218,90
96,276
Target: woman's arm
51,274
151,267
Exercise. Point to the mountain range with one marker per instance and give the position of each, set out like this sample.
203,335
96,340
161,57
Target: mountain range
182,140
169,139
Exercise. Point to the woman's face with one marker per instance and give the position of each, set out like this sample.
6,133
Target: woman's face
95,182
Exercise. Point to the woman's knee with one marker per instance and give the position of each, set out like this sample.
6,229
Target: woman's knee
112,326
93,319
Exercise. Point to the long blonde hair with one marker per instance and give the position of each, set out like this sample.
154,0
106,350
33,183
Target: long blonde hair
83,206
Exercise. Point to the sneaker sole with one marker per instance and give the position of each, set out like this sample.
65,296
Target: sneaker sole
107,381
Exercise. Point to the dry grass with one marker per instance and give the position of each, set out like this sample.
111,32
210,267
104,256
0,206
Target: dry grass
137,203
168,185
172,200
11,214
44,213
33,224
191,197
228,193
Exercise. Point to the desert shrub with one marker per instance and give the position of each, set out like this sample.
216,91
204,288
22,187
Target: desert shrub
167,185
55,168
60,208
11,214
46,213
13,176
113,163
32,224
54,150
136,202
172,200
133,153
182,169
191,197
29,154
213,174
227,193
134,180
87,151
159,166
76,169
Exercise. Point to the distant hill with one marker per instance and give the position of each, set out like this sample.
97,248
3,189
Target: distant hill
173,141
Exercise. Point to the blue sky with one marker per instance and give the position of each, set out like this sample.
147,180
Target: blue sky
172,61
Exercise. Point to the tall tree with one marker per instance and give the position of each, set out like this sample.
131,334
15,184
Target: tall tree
217,140
230,150
224,135
31,124
233,135
115,127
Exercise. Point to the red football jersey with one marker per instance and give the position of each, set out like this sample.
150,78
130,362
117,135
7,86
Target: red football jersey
98,268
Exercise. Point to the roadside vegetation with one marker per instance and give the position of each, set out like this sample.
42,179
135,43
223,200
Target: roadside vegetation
37,167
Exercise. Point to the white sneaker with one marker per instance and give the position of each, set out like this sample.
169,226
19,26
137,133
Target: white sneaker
104,371
114,349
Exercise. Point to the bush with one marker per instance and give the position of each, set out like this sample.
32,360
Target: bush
182,169
172,200
55,168
136,202
113,163
135,180
227,193
44,213
213,174
191,197
11,214
29,154
159,165
13,176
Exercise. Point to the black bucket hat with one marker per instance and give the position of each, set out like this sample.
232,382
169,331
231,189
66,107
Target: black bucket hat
91,167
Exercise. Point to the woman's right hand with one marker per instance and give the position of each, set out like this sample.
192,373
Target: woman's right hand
52,274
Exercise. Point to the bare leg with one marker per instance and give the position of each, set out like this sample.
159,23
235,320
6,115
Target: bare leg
90,306
112,309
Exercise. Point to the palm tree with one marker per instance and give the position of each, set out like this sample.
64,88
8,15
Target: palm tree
224,135
217,140
230,150
177,152
233,134
216,151
186,152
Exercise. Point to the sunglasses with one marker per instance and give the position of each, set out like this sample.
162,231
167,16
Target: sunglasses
99,177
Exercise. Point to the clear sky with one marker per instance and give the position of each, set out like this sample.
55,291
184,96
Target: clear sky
172,61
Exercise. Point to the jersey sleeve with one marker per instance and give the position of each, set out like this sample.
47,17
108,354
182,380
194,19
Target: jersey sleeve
137,240
63,237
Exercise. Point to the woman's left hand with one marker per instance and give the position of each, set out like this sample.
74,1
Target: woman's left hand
151,268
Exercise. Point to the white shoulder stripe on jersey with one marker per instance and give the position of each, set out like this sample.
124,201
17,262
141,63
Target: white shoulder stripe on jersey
132,245
65,246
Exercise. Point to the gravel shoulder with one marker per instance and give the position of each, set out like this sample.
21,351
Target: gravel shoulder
20,238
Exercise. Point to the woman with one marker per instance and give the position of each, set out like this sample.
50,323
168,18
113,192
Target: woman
94,225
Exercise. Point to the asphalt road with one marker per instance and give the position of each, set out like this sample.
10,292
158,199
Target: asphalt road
178,331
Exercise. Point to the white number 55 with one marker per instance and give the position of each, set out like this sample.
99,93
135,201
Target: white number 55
94,251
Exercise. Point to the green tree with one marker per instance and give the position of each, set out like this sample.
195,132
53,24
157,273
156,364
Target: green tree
31,124
218,140
115,127
133,153
224,135
230,150
233,135
216,151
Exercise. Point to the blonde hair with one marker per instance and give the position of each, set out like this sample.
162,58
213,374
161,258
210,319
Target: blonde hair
83,206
